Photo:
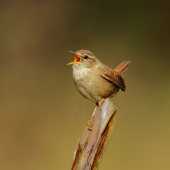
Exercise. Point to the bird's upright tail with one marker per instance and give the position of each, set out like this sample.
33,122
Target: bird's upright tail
122,67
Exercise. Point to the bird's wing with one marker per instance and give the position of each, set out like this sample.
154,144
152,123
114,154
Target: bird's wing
114,78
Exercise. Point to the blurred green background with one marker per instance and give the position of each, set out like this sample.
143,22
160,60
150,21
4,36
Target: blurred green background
41,113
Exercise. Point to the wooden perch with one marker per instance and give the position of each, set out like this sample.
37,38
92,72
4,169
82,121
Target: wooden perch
93,143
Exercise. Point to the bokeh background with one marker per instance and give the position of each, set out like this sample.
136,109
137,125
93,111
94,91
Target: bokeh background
41,113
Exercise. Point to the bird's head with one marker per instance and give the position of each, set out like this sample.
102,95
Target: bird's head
83,58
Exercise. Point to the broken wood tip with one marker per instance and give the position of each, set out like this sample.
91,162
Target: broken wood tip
93,143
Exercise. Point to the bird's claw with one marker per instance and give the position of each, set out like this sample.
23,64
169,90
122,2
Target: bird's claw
89,125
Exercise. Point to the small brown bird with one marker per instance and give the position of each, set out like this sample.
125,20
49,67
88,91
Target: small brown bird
93,79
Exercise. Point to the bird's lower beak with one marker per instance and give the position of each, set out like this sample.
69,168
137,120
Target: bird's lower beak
77,58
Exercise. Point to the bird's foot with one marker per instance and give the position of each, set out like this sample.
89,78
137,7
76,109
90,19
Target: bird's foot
89,125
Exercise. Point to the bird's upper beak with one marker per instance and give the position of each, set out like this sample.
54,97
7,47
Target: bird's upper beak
77,58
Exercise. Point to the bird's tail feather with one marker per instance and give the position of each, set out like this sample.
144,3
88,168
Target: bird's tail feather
122,67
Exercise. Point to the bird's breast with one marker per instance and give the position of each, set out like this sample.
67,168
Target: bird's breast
80,74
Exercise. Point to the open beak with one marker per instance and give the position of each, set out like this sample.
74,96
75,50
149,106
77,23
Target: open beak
77,58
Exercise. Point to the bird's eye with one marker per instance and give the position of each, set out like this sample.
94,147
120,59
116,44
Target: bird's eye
86,57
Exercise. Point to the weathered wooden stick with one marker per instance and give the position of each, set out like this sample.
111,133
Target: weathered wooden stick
93,143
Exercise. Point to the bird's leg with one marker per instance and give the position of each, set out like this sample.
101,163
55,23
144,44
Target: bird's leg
111,96
89,122
101,101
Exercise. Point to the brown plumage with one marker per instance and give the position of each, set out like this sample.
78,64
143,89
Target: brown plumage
93,79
